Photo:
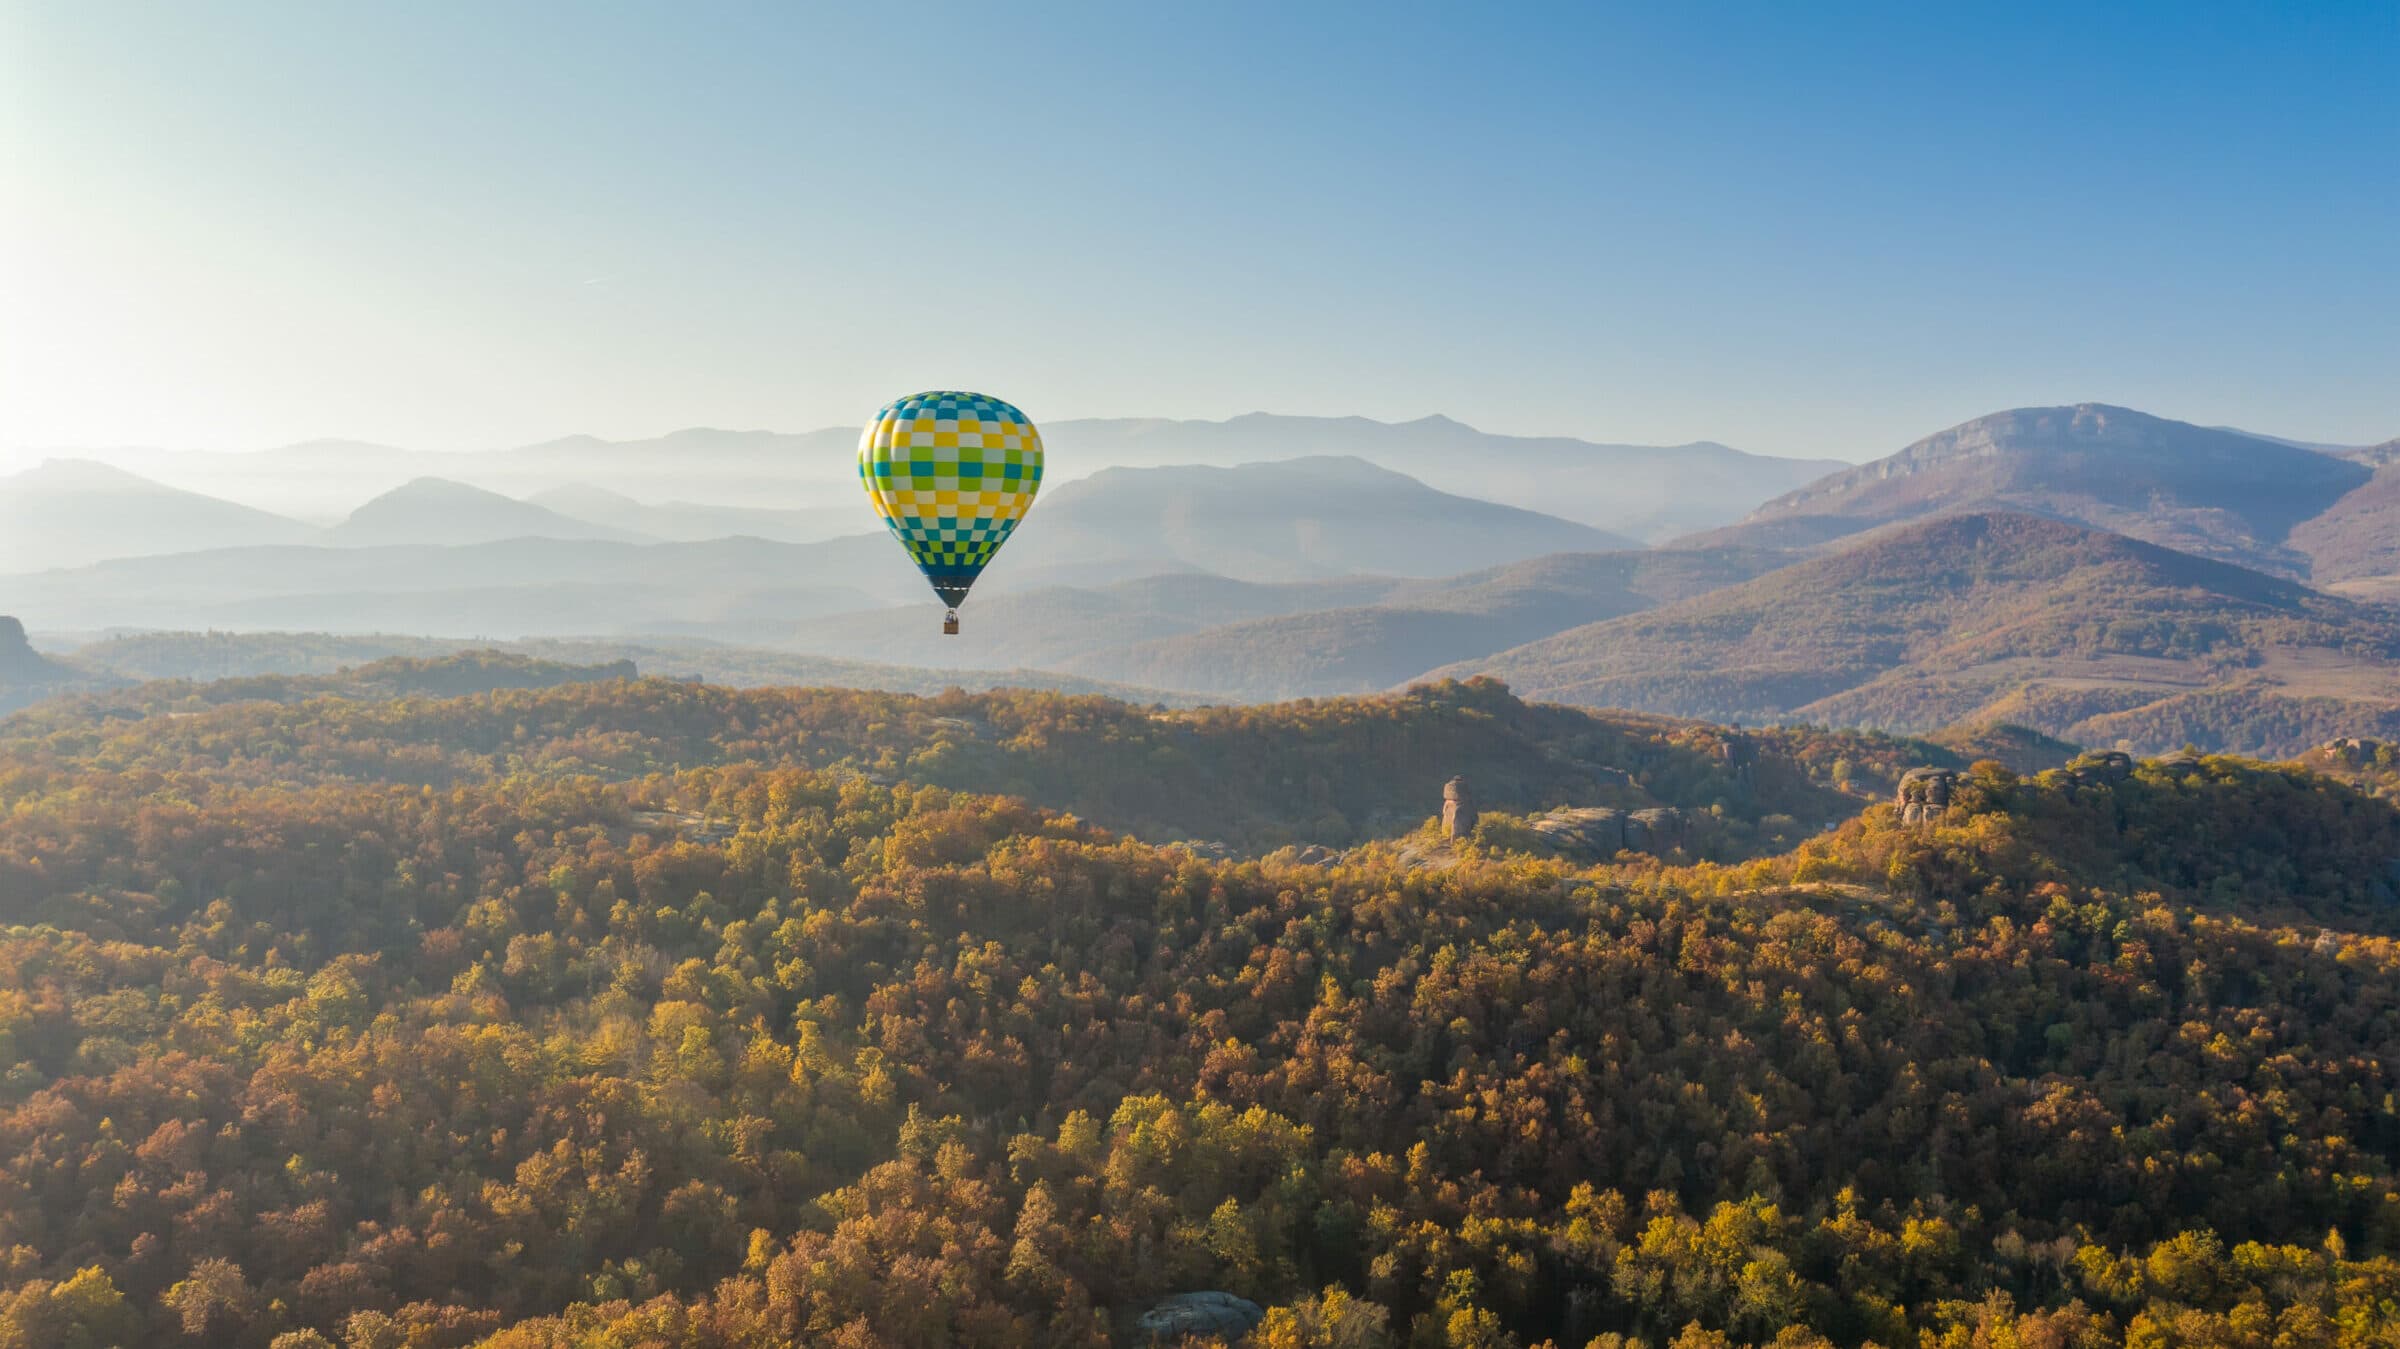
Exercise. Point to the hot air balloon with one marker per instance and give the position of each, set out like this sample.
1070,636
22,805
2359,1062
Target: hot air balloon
951,474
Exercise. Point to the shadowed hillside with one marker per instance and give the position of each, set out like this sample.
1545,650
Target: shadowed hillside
2354,547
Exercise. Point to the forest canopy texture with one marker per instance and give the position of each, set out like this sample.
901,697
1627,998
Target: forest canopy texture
642,1013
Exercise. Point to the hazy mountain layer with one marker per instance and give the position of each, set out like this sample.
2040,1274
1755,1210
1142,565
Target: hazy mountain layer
1416,626
1649,492
510,588
436,510
72,512
1050,624
1295,520
1646,491
692,522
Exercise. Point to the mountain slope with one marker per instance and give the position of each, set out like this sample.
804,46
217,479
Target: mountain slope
439,511
1650,492
2355,545
1298,519
69,512
1996,616
2211,493
1415,625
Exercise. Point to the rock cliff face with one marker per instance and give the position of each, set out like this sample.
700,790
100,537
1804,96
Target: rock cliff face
1924,794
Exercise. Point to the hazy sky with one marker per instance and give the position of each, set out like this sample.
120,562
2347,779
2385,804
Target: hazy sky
1793,228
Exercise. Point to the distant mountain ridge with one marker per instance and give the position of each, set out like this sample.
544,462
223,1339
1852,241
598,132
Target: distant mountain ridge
439,511
506,568
73,512
1287,520
2208,492
1649,492
1995,616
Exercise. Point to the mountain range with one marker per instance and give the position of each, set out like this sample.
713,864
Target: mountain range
451,559
2099,573
1649,492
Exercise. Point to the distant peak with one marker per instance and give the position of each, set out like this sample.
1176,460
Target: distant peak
57,472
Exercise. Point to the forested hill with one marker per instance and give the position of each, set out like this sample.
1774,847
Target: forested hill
1328,772
592,1016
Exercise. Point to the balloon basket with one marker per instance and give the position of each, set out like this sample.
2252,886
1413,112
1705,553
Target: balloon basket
950,623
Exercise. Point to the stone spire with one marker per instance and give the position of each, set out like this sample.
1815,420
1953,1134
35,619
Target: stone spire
1458,809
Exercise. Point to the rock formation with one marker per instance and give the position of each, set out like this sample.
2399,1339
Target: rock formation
1924,794
1458,809
1597,833
2100,767
1190,1315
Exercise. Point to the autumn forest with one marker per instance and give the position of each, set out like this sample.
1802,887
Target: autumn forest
626,1013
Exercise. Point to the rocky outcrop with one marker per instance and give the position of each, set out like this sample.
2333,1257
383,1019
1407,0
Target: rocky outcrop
2100,767
1193,1315
1458,809
1597,833
2356,751
1924,794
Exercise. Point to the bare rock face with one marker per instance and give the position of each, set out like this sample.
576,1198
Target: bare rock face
1588,831
1598,833
1660,829
1924,794
1458,809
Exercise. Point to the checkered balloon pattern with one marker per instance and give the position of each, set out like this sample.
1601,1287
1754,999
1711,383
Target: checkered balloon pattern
951,474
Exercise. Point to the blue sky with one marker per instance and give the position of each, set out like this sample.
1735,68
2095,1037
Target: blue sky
1795,229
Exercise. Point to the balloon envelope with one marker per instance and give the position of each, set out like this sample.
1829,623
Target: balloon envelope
950,474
